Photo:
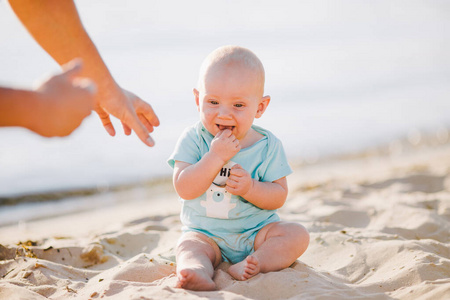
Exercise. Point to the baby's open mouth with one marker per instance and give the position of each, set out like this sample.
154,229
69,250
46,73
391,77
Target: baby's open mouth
223,127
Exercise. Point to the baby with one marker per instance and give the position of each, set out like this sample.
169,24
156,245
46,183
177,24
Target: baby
231,178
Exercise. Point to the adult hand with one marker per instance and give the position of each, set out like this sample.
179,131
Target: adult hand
225,145
57,27
134,113
63,101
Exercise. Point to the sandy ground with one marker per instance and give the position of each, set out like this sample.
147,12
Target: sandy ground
379,225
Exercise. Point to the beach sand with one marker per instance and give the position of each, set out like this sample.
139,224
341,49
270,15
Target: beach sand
379,225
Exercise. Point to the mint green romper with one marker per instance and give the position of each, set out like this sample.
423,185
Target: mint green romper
231,221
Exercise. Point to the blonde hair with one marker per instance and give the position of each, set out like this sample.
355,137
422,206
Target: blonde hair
228,55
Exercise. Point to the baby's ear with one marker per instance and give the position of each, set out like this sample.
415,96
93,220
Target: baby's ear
262,106
196,95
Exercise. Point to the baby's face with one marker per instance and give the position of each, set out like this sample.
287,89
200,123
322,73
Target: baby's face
230,98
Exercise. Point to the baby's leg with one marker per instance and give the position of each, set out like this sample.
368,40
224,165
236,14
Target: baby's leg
277,246
197,256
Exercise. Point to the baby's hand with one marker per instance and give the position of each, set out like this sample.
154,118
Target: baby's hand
225,145
239,182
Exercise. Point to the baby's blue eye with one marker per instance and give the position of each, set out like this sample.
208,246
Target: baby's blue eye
239,105
213,102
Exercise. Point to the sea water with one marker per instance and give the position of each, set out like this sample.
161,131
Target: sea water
342,75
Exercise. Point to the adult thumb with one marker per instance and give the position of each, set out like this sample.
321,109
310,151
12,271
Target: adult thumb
72,68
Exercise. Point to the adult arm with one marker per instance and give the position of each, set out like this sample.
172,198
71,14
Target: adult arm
56,108
57,28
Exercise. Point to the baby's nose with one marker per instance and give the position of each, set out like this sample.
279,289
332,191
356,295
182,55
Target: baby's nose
224,112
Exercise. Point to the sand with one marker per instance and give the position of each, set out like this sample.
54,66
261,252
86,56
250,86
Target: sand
379,224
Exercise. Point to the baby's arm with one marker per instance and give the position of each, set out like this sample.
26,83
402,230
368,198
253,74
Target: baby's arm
265,195
192,180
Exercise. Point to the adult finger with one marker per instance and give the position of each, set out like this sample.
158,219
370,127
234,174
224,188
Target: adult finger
132,120
126,129
85,84
146,123
72,68
106,121
143,118
145,110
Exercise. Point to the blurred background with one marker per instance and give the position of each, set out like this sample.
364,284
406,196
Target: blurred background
343,76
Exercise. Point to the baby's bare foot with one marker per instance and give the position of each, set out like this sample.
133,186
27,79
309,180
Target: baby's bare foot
245,269
195,279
